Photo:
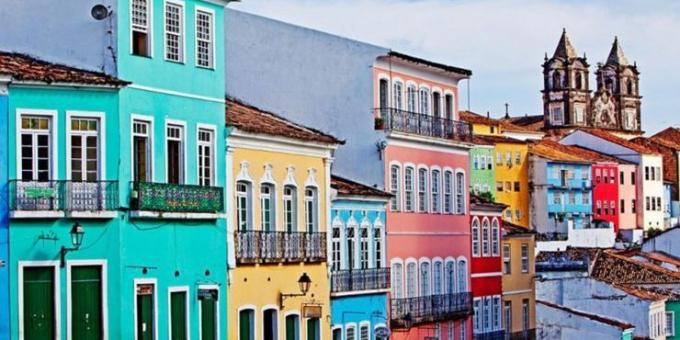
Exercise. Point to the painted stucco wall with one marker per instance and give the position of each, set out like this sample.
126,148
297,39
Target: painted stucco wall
519,286
358,310
510,174
67,32
606,193
651,188
628,193
558,324
310,77
4,215
483,179
674,308
666,243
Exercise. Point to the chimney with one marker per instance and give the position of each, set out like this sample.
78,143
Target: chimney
507,112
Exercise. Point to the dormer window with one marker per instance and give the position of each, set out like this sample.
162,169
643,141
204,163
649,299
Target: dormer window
141,28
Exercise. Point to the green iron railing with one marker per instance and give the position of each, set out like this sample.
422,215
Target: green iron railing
63,196
165,197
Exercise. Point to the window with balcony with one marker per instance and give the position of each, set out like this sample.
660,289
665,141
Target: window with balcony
397,95
204,39
206,162
425,279
383,93
495,236
174,31
525,314
485,237
36,148
364,246
141,27
243,208
424,101
437,286
411,279
174,149
436,104
448,192
267,207
486,314
397,280
462,275
422,190
350,333
336,254
141,156
436,182
84,138
408,189
312,209
477,314
450,276
411,94
395,181
378,246
507,269
475,237
290,208
350,241
448,106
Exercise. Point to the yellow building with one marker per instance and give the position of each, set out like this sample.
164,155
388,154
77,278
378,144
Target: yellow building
482,125
512,179
278,216
519,295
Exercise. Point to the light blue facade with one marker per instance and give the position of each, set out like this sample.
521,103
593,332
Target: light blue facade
359,277
570,198
667,201
4,217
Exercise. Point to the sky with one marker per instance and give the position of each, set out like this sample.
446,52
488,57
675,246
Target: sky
504,42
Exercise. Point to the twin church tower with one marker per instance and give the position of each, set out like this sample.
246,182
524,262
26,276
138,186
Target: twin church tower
568,101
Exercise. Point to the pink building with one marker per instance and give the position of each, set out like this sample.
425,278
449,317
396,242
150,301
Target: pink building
426,163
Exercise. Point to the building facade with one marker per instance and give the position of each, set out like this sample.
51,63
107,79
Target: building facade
512,180
360,277
4,212
279,213
482,172
519,294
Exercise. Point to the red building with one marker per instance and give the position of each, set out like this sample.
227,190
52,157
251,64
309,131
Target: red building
486,274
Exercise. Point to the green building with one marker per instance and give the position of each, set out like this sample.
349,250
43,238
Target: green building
482,167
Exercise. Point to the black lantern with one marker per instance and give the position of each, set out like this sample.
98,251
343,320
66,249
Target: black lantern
304,283
77,233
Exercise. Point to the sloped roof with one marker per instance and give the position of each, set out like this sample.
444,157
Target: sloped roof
511,229
248,118
618,140
594,317
480,203
644,293
557,152
509,126
616,56
417,60
533,122
614,268
475,118
668,154
26,68
669,137
348,187
564,48
573,258
493,140
596,156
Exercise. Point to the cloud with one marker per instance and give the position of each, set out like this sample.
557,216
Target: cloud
503,42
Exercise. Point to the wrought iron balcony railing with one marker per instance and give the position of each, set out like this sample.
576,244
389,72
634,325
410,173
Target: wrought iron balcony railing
179,198
279,246
408,312
490,335
423,124
70,196
360,279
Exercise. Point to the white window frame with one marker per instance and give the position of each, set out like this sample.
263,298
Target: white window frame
378,229
213,145
460,193
249,202
395,186
217,311
495,237
478,311
398,94
507,259
150,135
183,125
105,310
448,192
409,204
496,312
367,326
315,225
101,140
242,308
437,276
182,31
411,97
525,259
424,279
486,237
450,282
435,192
353,327
54,142
398,278
149,28
424,106
292,198
336,259
213,30
422,186
57,292
462,284
407,282
179,289
476,234
137,282
670,315
272,205
365,245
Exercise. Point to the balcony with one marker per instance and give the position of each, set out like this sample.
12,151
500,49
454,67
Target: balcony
279,247
175,201
423,124
490,335
346,281
55,199
409,312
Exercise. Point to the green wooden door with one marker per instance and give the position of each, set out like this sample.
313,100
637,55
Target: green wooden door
178,315
245,325
38,297
86,303
292,327
145,317
313,329
208,318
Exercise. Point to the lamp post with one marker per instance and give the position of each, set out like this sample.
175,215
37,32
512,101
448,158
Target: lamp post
77,233
303,282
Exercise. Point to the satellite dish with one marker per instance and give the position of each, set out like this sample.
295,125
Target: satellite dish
100,12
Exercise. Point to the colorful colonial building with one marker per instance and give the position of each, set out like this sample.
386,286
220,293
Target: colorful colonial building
512,178
279,214
486,276
519,285
360,277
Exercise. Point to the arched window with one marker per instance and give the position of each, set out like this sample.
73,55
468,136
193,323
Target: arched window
462,276
485,237
437,284
422,190
424,101
436,182
336,240
425,279
292,327
267,207
395,183
557,80
397,95
269,324
246,324
290,208
378,245
397,280
411,94
630,86
475,237
448,192
411,288
364,246
579,80
450,276
350,333
408,189
243,209
350,236
460,193
495,237
311,209
448,106
609,84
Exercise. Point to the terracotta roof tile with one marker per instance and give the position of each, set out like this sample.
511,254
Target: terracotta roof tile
557,152
528,123
25,68
493,140
598,318
644,293
615,268
475,118
669,137
668,154
596,156
347,187
251,119
480,203
617,140
510,229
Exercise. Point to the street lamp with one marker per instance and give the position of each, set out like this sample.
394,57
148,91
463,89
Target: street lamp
303,282
77,233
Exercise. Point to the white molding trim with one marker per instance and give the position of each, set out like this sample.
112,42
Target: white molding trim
152,140
57,293
154,282
244,140
183,22
493,274
180,289
217,310
213,174
101,140
104,287
53,115
513,292
176,93
183,125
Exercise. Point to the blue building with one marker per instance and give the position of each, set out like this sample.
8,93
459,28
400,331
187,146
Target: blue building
360,278
561,190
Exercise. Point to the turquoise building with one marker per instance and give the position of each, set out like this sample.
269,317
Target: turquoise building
360,277
116,193
4,213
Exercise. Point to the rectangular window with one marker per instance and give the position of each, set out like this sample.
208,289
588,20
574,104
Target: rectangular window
460,193
363,247
335,248
422,190
424,101
174,32
499,158
507,269
39,321
499,186
486,315
145,317
411,94
313,329
517,188
508,158
397,93
585,198
507,311
525,258
395,180
525,314
208,313
436,104
204,39
646,173
518,158
363,332
463,330
378,247
622,206
518,214
206,162
477,314
289,208
243,209
584,173
141,28
449,106
508,186
141,157
87,305
496,312
311,209
408,189
36,148
246,324
670,324
633,207
435,179
448,192
178,315
632,178
267,199
621,178
658,203
648,204
175,153
572,197
84,138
